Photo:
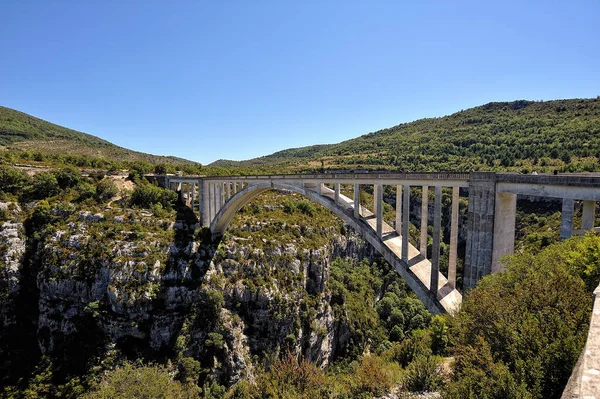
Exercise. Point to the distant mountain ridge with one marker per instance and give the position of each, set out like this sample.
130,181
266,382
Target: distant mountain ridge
22,131
495,136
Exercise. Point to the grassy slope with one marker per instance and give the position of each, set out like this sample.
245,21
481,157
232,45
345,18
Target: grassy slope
25,132
495,136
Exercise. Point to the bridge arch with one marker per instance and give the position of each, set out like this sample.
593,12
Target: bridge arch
226,214
441,303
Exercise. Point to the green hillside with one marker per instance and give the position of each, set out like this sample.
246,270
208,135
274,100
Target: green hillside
20,131
520,136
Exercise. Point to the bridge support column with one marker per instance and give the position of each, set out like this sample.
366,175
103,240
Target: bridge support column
480,227
398,225
424,218
193,195
227,190
210,202
203,199
379,209
435,249
589,215
453,238
566,223
504,228
375,194
337,193
235,188
405,215
221,196
357,201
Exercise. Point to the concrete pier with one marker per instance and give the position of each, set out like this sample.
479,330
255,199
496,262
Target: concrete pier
480,227
424,220
588,215
337,193
405,221
357,201
379,209
504,228
566,222
435,248
398,224
453,238
376,190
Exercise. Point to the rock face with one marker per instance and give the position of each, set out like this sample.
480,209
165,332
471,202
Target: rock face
12,251
155,288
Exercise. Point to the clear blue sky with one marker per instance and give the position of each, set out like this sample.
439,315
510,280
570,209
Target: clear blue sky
240,79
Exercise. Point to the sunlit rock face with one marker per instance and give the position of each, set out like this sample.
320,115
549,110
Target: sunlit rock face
150,287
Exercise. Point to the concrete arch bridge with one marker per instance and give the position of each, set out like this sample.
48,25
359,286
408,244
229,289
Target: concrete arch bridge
490,227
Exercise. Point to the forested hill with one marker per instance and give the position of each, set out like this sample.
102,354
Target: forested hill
20,131
520,135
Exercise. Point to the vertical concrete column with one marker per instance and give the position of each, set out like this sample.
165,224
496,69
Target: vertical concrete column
376,189
589,215
480,227
228,190
379,211
399,209
405,215
453,238
204,199
193,195
566,223
211,202
357,201
222,195
337,193
235,188
504,228
424,217
435,249
320,188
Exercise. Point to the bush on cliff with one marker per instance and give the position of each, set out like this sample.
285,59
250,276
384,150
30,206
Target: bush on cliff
139,381
526,326
146,195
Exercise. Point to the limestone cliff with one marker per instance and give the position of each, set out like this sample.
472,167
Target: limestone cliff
131,282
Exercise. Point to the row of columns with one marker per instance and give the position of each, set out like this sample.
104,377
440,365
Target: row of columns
402,224
207,197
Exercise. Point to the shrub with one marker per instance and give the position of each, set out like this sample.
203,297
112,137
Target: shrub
146,195
85,190
12,180
105,190
291,378
138,381
67,177
424,374
44,185
306,207
375,376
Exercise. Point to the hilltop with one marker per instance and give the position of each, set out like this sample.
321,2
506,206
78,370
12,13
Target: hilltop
20,131
520,136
